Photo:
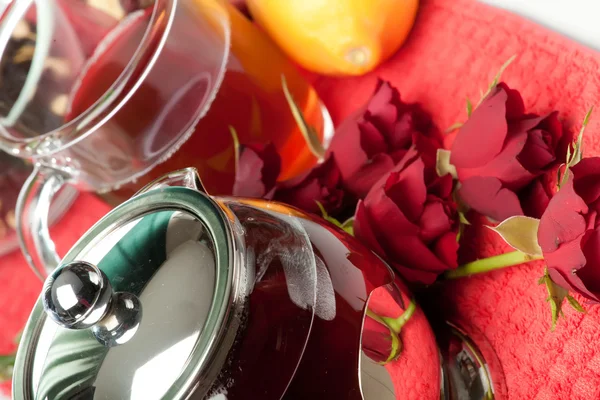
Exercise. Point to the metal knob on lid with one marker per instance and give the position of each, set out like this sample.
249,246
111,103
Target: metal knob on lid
80,296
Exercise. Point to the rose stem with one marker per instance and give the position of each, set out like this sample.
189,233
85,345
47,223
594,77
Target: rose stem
490,264
396,324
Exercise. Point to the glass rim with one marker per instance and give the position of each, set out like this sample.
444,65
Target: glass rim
111,101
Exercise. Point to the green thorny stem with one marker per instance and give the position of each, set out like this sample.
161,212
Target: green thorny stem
395,326
490,264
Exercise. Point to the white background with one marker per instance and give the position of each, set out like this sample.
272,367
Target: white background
578,19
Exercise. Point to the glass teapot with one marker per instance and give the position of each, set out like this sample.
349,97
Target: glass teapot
179,295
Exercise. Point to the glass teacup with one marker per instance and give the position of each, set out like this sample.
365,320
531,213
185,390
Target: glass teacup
110,98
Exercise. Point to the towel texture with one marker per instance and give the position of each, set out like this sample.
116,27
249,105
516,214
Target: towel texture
454,51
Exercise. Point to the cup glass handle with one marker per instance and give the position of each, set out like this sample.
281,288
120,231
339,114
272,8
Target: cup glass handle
32,218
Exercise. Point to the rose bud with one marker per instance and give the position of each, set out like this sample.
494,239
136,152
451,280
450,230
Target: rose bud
257,170
371,141
322,184
500,150
410,219
569,231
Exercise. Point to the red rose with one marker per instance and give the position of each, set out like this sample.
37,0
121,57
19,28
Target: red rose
409,218
257,171
322,184
369,143
569,231
500,150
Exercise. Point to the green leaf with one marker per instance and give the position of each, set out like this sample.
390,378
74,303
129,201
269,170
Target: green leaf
575,150
556,296
442,164
7,363
348,226
578,149
308,132
496,79
236,147
575,304
454,127
501,71
469,107
462,218
520,233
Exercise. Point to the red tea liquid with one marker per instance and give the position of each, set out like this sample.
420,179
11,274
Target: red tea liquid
250,99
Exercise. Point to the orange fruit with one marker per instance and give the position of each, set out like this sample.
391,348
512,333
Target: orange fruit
337,37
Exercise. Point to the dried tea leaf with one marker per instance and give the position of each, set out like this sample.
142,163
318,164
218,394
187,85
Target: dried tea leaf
520,233
442,164
308,132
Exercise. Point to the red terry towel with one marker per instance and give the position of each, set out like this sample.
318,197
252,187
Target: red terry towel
454,51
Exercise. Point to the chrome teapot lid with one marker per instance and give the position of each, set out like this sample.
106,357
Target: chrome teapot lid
136,305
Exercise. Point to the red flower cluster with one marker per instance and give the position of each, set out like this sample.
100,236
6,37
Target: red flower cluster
410,219
501,151
384,154
569,231
374,139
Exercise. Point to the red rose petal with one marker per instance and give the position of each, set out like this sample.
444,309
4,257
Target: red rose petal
482,137
363,229
416,275
304,196
505,165
562,223
587,179
515,107
248,178
383,106
487,196
554,127
537,154
441,186
407,189
347,148
402,134
572,283
258,170
376,340
371,139
387,217
446,248
366,176
534,199
590,273
568,256
410,251
427,147
434,221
